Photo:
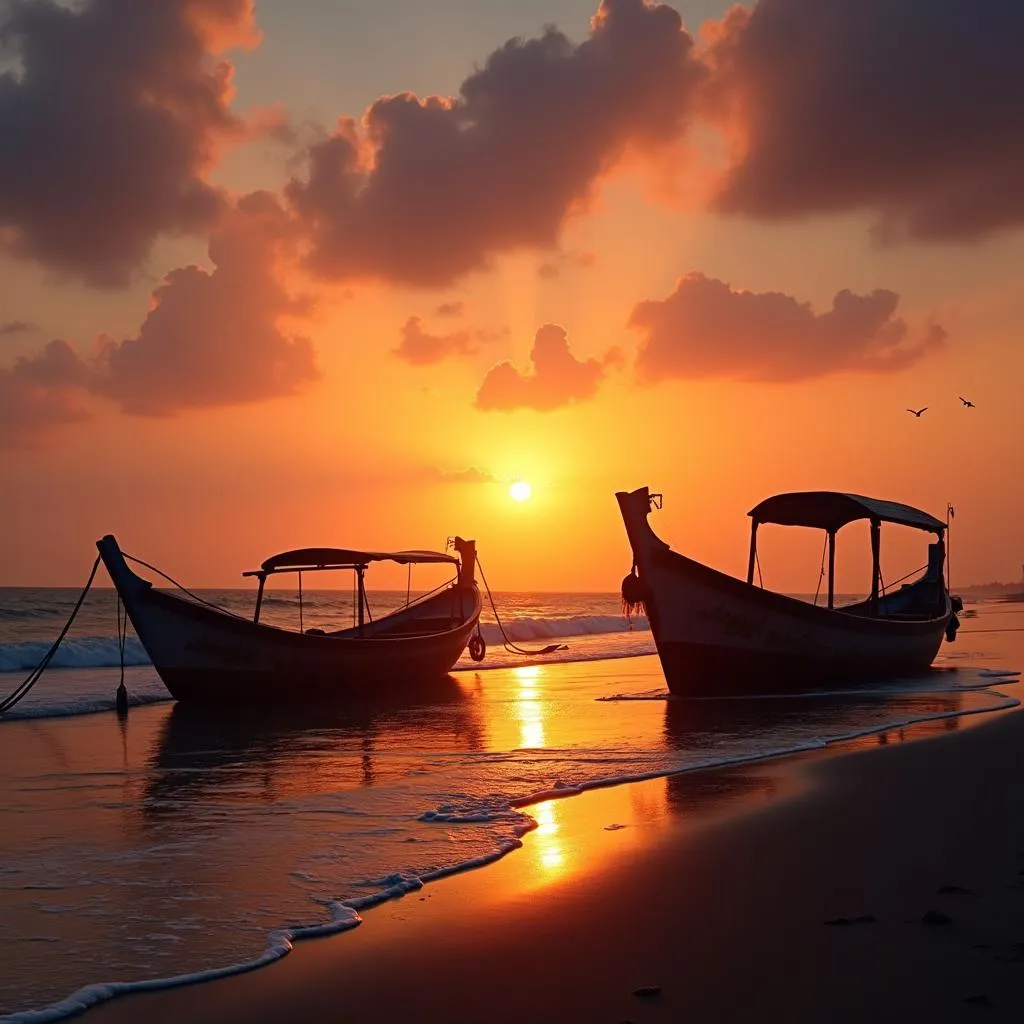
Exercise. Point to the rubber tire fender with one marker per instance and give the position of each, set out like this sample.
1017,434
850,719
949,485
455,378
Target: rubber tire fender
477,647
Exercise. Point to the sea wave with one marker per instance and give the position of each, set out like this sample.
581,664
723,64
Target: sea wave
102,651
560,626
81,652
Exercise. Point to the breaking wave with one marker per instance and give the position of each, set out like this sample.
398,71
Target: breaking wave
83,652
102,651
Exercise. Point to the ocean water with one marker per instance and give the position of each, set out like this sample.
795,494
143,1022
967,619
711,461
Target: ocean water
79,678
182,841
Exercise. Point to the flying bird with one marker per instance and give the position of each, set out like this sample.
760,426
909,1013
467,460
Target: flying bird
917,412
966,403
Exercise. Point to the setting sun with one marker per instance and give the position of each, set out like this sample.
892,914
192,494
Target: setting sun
520,490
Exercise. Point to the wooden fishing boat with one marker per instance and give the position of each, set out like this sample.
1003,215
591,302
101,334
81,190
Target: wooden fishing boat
718,635
203,653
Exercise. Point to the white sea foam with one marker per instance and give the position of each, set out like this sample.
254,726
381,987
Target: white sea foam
279,944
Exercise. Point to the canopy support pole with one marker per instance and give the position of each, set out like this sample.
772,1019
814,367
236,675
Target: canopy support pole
831,567
876,568
361,598
259,596
753,552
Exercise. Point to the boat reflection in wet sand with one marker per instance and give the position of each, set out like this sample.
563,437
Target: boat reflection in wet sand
718,635
204,653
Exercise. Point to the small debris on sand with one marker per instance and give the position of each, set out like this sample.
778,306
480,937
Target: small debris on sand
955,890
613,828
647,991
935,917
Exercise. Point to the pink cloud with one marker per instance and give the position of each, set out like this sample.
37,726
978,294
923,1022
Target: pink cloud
211,338
215,337
558,377
37,395
705,328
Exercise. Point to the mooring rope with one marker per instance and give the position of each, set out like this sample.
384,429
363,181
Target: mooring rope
184,589
821,574
33,677
508,644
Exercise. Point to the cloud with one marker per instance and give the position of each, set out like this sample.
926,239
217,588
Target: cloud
429,189
211,338
903,107
215,338
17,327
37,395
707,329
451,309
111,114
472,475
422,349
558,377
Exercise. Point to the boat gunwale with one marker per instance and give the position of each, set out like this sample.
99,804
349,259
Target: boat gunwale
823,616
229,620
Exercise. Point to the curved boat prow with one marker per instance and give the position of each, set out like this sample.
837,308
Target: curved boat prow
635,507
125,581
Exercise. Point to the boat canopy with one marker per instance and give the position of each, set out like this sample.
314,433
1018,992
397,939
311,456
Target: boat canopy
831,510
345,558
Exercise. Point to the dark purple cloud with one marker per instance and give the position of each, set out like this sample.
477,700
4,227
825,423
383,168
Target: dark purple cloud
558,377
429,189
707,329
910,108
110,118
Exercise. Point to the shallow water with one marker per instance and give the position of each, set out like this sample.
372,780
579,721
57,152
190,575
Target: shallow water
178,840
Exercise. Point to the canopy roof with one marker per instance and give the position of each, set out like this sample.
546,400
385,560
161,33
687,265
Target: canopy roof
830,510
345,558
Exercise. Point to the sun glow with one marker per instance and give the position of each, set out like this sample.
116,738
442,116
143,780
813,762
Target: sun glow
520,490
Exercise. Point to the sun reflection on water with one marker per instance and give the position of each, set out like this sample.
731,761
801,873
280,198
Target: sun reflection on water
529,708
545,840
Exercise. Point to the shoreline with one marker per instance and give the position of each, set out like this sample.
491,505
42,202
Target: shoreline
735,790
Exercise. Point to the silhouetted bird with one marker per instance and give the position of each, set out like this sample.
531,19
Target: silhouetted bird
917,412
967,405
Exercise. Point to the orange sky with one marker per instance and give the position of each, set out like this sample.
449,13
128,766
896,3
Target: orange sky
263,405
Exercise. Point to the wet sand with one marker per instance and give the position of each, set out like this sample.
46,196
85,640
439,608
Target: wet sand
724,896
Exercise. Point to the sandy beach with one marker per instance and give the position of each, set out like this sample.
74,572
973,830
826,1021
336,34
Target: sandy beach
732,904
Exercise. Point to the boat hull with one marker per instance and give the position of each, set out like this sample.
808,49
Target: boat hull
203,654
719,636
